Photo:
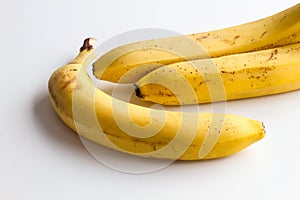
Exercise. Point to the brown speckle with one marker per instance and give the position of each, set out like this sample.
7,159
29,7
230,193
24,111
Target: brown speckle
272,54
263,34
227,72
236,37
201,38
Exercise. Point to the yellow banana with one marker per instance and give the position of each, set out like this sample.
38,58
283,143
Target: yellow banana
229,77
127,63
140,130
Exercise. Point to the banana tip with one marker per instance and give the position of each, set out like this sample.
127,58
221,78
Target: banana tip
137,91
264,129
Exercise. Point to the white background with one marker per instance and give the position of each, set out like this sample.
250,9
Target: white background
42,159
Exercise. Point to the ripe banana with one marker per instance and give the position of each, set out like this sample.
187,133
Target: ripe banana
139,130
230,77
128,63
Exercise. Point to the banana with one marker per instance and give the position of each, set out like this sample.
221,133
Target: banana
128,63
143,131
237,76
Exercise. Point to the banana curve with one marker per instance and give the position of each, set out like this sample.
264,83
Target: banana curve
176,138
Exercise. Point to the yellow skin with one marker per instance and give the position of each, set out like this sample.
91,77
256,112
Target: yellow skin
128,63
230,77
144,131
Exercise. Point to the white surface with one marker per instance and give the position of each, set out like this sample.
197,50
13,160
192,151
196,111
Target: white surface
42,159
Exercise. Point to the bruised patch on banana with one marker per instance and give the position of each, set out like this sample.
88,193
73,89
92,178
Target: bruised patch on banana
68,82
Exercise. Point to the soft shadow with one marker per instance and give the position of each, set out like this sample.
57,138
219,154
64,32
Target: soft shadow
57,132
53,128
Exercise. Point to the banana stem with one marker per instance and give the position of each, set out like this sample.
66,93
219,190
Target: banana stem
87,46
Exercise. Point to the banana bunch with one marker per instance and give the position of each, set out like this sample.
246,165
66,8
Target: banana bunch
143,131
253,59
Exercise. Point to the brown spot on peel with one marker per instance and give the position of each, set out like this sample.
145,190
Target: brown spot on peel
201,38
263,34
68,83
272,54
236,37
